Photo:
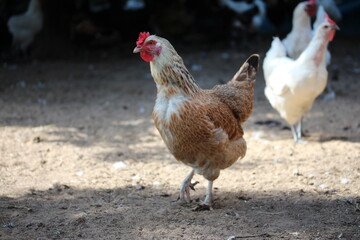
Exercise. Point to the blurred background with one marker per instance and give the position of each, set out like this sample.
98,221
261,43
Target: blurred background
88,24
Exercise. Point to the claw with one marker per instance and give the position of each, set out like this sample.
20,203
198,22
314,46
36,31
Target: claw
192,185
184,194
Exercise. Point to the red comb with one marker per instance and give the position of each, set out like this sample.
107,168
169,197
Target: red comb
330,20
142,37
312,2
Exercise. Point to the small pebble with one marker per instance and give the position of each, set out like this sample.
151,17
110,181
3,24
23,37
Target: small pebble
278,160
296,172
133,196
135,177
30,224
139,187
156,183
37,139
119,164
345,181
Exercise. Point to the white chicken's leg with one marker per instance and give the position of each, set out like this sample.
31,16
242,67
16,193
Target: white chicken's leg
185,187
208,198
296,131
330,95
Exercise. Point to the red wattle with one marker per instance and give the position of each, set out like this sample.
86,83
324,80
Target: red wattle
146,56
331,35
311,12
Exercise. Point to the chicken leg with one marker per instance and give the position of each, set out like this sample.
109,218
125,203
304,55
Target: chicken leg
185,187
206,204
208,198
296,131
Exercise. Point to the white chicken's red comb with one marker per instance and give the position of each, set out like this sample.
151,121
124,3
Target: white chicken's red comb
329,19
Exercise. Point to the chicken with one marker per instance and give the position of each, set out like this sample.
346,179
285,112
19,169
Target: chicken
24,27
292,85
201,128
248,17
301,34
251,14
299,37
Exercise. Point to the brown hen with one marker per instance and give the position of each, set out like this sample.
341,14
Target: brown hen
201,128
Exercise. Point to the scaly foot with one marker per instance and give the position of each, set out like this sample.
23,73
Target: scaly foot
184,195
206,205
185,187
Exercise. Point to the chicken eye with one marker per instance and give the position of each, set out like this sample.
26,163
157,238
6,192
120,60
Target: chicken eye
326,26
151,42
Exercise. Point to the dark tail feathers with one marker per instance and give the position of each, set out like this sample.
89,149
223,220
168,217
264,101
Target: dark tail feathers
248,69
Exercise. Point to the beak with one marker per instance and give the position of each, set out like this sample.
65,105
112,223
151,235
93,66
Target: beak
336,27
136,50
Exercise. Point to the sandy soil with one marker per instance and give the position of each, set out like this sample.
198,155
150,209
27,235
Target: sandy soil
80,157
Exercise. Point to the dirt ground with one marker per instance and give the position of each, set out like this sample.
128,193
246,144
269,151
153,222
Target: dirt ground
80,157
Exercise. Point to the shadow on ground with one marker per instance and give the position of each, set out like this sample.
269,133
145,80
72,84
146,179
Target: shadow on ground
147,213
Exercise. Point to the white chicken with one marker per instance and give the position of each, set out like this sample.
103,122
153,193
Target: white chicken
25,26
293,85
300,36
